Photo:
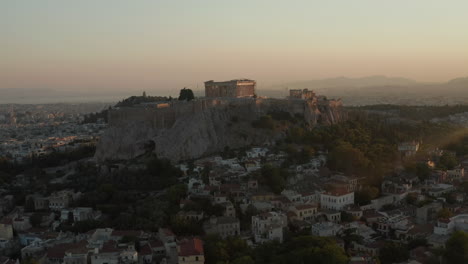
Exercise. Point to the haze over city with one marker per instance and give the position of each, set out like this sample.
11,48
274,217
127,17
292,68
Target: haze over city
110,45
233,132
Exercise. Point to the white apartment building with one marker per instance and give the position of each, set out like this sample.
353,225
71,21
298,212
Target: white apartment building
336,200
269,226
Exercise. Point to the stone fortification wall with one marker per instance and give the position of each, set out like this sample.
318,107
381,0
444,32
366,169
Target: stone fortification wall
158,118
187,130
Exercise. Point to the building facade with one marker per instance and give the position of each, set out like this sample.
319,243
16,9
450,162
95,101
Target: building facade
301,94
233,88
269,226
336,200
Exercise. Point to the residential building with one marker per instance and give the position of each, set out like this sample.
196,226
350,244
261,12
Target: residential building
233,88
305,211
190,251
269,226
6,229
336,200
326,229
224,226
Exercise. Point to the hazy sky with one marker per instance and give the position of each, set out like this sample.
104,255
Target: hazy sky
141,44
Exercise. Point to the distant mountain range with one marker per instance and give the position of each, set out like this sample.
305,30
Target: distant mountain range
369,81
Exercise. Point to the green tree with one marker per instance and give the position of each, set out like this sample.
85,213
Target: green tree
29,205
457,248
243,260
274,178
444,213
35,219
366,194
348,159
448,161
186,95
393,252
176,192
265,122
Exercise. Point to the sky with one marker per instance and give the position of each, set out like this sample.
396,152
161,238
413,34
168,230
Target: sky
156,44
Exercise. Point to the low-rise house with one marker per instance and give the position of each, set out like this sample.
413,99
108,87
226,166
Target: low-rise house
224,226
157,247
6,229
229,209
370,247
190,251
456,174
60,200
190,215
33,251
354,210
305,211
78,214
99,237
336,200
112,253
427,213
372,216
118,235
256,152
40,203
420,231
326,229
396,222
6,204
281,202
76,255
220,198
293,196
252,185
168,239
361,229
448,226
268,226
310,197
21,223
408,149
331,215
145,256
56,254
262,196
440,189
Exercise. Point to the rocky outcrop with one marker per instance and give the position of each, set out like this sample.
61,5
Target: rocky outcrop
187,130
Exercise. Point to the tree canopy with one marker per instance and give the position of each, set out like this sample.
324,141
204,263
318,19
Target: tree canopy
457,248
186,94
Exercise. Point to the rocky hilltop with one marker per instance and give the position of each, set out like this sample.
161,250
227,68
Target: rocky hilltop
185,130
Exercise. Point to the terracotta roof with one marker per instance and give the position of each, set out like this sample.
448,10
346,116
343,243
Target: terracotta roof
418,229
122,233
305,206
291,214
6,221
167,232
190,247
58,251
156,243
338,192
146,250
109,247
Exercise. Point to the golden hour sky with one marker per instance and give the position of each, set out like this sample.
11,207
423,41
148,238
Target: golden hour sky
142,44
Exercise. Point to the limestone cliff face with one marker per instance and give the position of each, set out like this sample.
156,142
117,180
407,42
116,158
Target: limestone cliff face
187,130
